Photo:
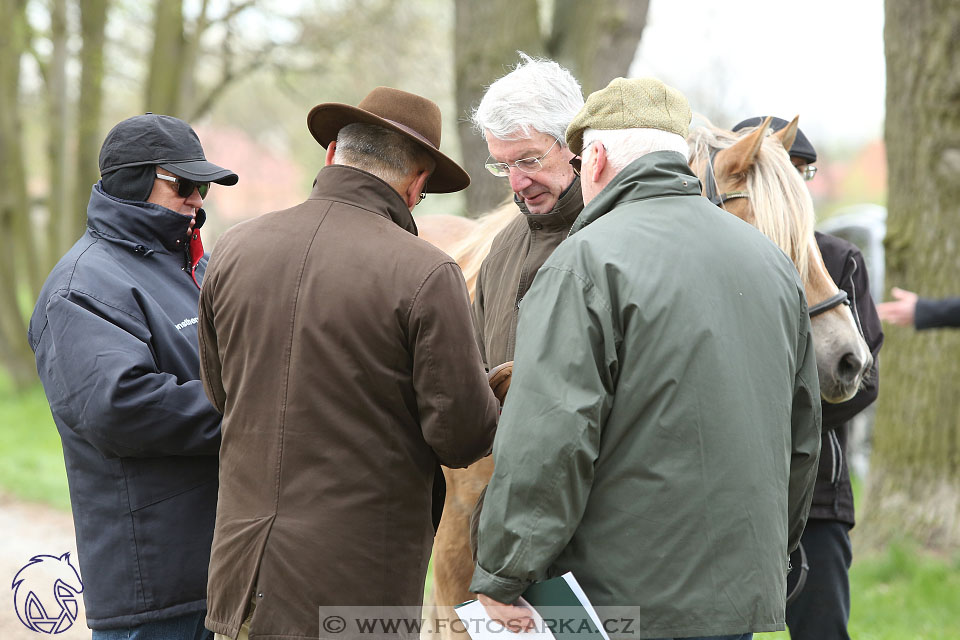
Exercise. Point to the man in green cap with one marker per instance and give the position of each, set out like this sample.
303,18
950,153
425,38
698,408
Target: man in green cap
661,435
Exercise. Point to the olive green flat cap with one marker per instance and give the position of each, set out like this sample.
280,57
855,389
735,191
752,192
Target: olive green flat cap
631,103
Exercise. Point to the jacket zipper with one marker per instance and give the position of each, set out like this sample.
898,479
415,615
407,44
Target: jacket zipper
837,457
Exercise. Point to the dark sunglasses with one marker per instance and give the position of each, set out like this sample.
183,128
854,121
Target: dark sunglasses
185,187
576,162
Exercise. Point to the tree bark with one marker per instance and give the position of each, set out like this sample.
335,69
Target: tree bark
596,40
58,203
93,19
914,480
188,61
14,214
163,83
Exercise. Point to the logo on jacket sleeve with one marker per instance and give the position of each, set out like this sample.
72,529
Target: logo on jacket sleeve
186,323
45,594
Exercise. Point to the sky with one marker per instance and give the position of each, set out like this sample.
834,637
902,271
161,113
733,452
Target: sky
820,59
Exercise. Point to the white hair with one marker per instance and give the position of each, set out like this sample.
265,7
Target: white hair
538,95
389,155
626,145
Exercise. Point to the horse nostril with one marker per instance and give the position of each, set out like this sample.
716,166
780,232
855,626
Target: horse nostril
849,367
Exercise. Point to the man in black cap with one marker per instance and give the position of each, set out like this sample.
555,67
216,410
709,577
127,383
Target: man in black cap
115,337
821,608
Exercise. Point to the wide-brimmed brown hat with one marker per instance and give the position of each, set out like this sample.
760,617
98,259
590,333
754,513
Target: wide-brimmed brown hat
406,113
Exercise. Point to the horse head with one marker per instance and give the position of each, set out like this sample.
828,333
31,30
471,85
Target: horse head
750,175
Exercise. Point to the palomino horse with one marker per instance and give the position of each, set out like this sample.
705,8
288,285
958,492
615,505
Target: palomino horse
751,177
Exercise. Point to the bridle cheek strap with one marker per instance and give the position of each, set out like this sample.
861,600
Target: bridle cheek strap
830,303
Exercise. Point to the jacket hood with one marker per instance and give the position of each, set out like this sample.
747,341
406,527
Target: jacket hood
655,175
356,187
135,224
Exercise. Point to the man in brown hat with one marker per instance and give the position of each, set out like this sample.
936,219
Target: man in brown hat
661,433
339,347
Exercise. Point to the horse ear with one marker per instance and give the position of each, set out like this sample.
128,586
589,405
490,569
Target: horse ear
788,134
740,156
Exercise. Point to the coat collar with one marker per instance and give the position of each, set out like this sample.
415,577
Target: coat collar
138,224
654,175
363,190
568,207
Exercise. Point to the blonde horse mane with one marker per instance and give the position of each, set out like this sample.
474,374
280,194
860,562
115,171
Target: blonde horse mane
470,250
780,201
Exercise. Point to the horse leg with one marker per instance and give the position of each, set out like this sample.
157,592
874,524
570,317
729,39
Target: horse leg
452,560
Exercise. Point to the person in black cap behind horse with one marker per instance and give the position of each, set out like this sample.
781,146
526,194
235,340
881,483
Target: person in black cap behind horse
115,338
821,609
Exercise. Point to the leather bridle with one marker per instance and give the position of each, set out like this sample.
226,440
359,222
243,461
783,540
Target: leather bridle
711,192
833,301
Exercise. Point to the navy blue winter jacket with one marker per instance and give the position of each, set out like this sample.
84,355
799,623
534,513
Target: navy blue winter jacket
115,337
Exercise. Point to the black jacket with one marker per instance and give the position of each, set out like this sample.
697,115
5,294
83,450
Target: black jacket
931,314
833,496
115,337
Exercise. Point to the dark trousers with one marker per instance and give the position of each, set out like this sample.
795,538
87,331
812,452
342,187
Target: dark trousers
821,610
188,627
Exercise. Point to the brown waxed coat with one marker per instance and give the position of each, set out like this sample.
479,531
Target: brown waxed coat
339,347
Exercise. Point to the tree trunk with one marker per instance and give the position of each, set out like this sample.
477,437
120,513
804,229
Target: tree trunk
187,89
914,481
163,82
487,36
59,227
596,40
93,19
14,350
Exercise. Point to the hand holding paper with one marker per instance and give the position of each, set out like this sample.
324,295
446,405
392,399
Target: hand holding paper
515,617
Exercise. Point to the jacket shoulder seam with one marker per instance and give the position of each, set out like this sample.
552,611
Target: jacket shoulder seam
416,294
588,285
93,296
59,291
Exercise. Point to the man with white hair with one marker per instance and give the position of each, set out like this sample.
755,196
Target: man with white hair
661,434
523,117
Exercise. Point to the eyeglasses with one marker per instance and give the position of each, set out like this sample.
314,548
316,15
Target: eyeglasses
527,165
185,187
576,162
807,171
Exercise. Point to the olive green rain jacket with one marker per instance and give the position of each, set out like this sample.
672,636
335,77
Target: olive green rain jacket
661,435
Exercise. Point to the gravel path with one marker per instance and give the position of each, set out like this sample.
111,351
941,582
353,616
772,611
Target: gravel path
29,530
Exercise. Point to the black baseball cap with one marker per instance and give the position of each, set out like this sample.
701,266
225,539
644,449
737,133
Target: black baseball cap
164,141
801,146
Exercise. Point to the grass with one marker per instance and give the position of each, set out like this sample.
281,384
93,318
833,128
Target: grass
31,460
901,593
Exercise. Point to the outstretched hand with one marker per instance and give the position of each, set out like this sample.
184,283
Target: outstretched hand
901,310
